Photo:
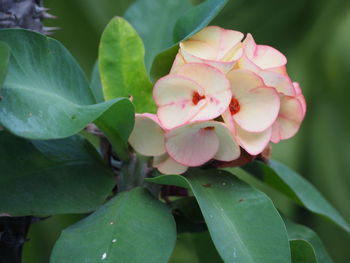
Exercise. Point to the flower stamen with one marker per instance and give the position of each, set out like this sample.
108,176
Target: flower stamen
196,97
234,106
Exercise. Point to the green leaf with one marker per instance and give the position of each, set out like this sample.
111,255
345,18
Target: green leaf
296,187
46,96
305,244
195,248
197,18
51,177
302,252
132,227
163,61
194,20
121,64
96,85
242,221
4,59
155,20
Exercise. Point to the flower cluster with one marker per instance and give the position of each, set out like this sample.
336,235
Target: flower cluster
223,93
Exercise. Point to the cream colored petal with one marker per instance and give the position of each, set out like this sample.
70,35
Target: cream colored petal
166,165
228,147
259,105
147,137
253,143
173,95
193,144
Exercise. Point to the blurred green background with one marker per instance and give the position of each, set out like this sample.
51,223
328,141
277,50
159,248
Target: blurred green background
315,36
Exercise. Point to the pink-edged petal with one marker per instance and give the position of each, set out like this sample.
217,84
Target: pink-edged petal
289,118
228,120
212,43
217,89
193,144
263,57
173,95
259,105
281,83
215,46
147,137
253,143
249,46
224,66
166,165
267,57
276,133
300,96
178,62
228,147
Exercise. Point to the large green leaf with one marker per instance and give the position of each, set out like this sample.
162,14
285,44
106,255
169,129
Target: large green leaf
155,20
188,24
306,246
296,187
132,227
4,58
195,248
51,177
242,221
46,96
121,64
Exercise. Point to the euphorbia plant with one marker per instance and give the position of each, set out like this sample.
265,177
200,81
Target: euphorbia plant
215,102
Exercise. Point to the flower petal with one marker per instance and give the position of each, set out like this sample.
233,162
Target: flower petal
212,43
253,143
228,147
178,62
217,89
289,119
166,165
259,105
261,57
215,46
173,95
281,83
147,137
193,144
300,96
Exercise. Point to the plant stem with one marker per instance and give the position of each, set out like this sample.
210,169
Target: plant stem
13,234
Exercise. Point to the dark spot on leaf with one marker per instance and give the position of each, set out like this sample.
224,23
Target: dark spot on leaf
73,117
241,200
1,98
206,185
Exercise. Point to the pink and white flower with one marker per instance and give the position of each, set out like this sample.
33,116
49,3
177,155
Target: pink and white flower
253,109
195,92
189,145
215,46
221,94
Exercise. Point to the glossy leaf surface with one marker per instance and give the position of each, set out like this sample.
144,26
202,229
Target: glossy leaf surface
121,65
51,177
242,221
46,96
132,227
296,187
306,246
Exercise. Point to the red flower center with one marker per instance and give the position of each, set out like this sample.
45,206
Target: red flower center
234,106
196,97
